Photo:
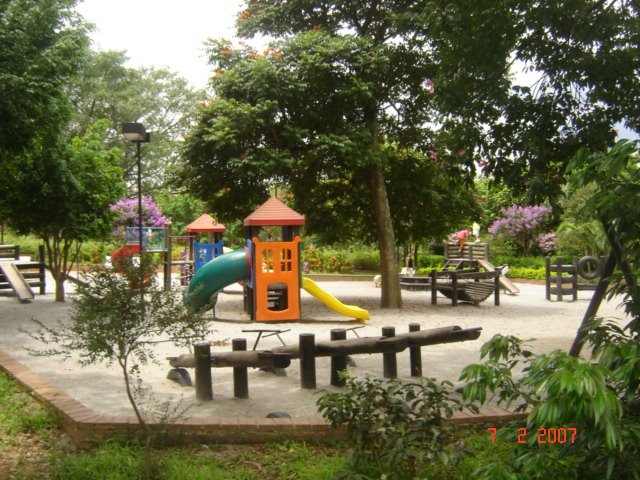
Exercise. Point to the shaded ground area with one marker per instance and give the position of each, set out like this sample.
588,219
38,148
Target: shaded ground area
552,325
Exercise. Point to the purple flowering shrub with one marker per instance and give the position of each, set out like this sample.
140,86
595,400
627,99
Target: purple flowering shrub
126,210
547,241
522,227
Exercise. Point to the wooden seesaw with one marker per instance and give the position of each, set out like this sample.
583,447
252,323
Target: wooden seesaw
307,350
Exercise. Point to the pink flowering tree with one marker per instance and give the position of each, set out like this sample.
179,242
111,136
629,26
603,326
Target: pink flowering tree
523,227
126,210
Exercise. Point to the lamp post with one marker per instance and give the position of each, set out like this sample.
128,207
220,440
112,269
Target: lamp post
136,133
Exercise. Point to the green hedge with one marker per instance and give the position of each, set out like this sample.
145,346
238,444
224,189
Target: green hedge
527,273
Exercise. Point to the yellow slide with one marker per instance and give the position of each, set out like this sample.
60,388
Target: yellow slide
332,302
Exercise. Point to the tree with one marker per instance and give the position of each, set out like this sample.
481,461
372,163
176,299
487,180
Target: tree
181,208
584,58
126,215
521,226
42,43
334,107
163,101
113,321
62,194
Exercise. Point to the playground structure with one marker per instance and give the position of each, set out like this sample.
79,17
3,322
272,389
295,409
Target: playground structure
461,279
194,254
269,269
19,275
562,278
339,348
154,240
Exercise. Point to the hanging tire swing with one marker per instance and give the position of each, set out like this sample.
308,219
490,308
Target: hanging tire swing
589,267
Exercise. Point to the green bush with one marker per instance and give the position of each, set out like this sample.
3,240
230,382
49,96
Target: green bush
430,261
527,273
327,260
518,261
595,403
397,429
365,259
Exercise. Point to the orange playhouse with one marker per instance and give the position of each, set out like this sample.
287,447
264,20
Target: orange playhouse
269,267
273,294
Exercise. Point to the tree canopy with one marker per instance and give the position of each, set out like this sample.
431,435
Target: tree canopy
163,101
41,46
350,88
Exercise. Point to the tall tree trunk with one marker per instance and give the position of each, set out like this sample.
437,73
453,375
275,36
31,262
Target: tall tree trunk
60,296
57,263
390,292
391,295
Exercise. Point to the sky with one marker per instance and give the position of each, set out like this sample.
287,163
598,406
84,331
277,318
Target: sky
162,33
170,33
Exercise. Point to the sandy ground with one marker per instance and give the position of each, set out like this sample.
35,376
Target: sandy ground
553,325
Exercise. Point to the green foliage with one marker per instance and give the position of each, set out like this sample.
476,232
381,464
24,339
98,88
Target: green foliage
580,239
598,399
107,88
42,43
431,261
616,175
527,273
20,413
533,261
112,460
397,429
111,322
492,199
327,260
365,258
62,194
181,208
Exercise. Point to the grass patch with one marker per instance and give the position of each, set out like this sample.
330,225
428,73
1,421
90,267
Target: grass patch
286,460
20,413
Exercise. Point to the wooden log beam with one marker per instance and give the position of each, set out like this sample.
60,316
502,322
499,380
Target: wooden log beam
280,357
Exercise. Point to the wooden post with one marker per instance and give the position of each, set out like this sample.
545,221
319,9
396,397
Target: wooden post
204,389
339,362
17,252
389,360
307,360
240,377
167,257
574,282
415,356
41,268
547,277
559,279
496,286
454,289
434,287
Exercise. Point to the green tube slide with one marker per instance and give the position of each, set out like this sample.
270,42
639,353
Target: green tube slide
214,276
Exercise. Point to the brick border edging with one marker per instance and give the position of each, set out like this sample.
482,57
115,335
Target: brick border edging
86,427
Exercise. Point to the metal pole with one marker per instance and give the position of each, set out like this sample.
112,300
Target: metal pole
140,236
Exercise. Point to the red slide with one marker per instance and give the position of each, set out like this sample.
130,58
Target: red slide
121,253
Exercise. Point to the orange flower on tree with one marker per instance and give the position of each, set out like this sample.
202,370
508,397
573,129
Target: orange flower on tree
226,52
316,27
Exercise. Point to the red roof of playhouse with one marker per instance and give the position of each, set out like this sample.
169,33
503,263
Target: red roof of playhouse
205,224
273,212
